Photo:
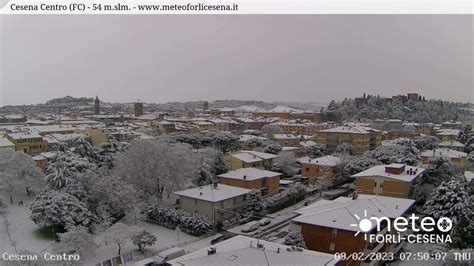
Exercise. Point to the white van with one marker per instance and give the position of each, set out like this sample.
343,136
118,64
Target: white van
250,227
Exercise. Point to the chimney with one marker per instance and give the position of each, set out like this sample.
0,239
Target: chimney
200,193
215,185
245,177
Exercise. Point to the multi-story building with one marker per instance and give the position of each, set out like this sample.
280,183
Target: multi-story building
393,180
387,124
319,168
361,138
245,159
28,142
267,182
457,157
447,134
453,145
216,201
328,225
286,139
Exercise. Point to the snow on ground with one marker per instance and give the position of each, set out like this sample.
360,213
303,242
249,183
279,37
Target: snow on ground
166,238
25,234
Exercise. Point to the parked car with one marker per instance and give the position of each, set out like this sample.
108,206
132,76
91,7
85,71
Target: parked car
265,221
250,227
218,238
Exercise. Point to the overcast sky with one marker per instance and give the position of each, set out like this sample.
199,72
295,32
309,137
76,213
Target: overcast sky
271,58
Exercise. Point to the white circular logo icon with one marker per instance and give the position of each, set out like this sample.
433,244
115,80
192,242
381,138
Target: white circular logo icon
365,225
444,224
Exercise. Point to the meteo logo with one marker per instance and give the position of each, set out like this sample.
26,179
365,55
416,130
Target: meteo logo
422,228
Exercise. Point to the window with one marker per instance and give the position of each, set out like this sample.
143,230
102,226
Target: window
307,169
375,184
381,185
332,246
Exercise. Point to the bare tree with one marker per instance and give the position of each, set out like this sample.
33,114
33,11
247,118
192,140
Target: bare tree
18,170
157,166
120,234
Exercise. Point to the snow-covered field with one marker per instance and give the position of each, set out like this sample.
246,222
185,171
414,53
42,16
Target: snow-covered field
25,235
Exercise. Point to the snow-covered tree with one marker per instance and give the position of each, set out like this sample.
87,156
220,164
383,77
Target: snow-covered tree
190,223
84,149
397,151
65,167
191,139
295,239
267,146
359,164
271,129
77,240
284,199
104,217
53,208
465,134
285,163
112,193
143,239
18,171
426,142
318,150
222,141
451,200
345,148
109,150
157,166
212,164
439,169
120,234
253,202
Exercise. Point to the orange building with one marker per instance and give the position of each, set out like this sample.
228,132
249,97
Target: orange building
322,167
267,182
393,180
328,225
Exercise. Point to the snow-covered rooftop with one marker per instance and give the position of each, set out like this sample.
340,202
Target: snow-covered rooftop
245,137
448,132
262,155
307,143
249,174
23,135
380,170
284,109
349,129
5,142
246,157
340,213
328,160
444,152
209,193
284,136
243,250
452,143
